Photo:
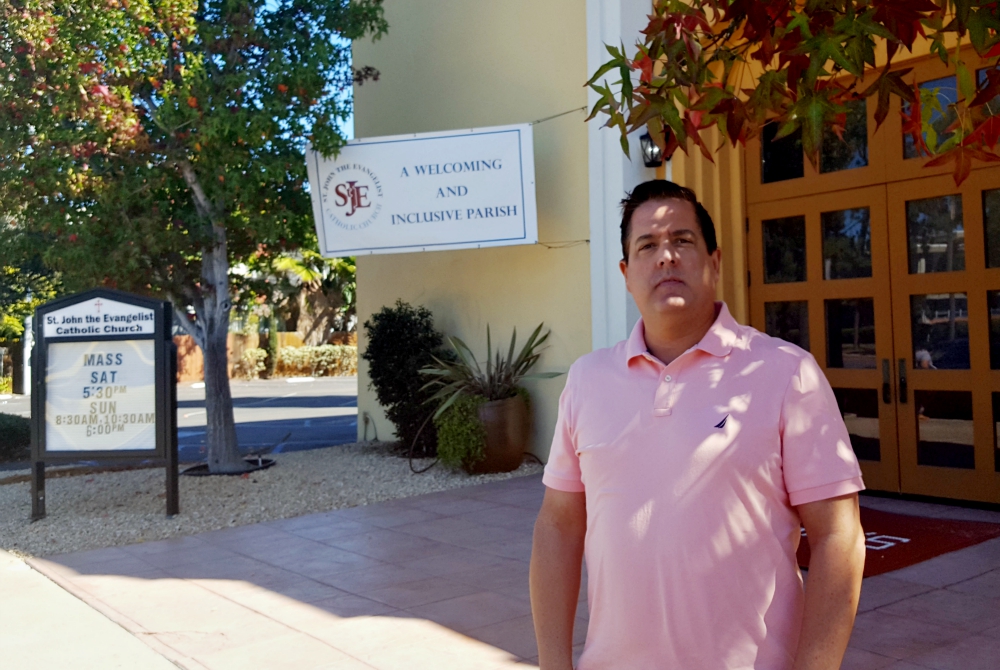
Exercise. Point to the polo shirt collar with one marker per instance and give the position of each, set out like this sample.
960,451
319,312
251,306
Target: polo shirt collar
718,341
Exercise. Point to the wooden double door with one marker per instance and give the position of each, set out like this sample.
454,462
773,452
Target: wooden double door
890,276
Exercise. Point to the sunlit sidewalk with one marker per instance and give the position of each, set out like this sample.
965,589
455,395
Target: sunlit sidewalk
42,626
441,581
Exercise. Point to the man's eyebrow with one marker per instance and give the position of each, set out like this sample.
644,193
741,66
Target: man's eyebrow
647,236
682,231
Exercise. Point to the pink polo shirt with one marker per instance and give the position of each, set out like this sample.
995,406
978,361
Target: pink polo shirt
691,473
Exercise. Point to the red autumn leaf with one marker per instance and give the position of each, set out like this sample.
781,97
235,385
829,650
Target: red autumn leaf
192,102
796,66
985,134
282,88
990,89
912,124
902,17
696,116
754,12
645,65
72,237
693,133
962,157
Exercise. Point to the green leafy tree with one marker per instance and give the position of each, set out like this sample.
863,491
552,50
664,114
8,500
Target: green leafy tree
149,145
23,287
739,64
320,293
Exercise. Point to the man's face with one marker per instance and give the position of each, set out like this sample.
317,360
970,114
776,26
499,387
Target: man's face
669,269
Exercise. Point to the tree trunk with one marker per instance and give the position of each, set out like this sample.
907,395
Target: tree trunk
272,342
211,335
223,450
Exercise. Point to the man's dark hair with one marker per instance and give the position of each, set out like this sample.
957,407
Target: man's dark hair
661,189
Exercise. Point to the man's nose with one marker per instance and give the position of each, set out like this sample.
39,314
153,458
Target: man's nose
668,255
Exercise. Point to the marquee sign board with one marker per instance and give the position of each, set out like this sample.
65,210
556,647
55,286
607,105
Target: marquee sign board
103,385
425,192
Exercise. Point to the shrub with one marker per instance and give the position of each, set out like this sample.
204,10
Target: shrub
15,438
6,384
402,341
461,437
251,364
323,361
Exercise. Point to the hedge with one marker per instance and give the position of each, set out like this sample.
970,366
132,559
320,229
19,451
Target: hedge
15,438
325,361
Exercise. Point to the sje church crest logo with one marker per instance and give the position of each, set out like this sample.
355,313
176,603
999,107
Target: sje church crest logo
352,196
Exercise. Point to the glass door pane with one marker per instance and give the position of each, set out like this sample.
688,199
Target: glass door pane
819,278
942,293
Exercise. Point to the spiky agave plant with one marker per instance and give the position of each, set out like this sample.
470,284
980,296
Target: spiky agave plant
498,381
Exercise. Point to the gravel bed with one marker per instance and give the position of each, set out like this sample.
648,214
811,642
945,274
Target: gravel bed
117,508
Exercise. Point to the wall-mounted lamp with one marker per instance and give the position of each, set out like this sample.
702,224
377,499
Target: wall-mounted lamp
652,157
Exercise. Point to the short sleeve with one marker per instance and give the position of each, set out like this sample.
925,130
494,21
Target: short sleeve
562,472
817,459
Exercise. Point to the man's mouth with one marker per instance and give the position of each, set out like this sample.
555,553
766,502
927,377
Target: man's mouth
669,281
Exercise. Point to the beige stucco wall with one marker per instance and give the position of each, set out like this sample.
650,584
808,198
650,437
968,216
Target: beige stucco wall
449,64
721,187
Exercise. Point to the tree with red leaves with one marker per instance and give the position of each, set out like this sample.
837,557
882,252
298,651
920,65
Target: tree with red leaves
739,64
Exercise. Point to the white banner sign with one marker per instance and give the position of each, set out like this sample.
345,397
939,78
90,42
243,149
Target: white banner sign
99,317
426,192
100,396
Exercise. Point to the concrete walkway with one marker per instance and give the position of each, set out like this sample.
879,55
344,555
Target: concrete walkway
440,581
42,626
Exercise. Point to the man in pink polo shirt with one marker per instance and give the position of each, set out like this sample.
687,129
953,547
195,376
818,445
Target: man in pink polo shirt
684,460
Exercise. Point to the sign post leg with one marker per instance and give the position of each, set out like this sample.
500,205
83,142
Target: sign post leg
37,490
173,492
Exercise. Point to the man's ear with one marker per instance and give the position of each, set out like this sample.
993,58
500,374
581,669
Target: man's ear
717,260
623,266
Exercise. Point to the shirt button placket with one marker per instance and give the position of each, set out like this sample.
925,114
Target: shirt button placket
661,407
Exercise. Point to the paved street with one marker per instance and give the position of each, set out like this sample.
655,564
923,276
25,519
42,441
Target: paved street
15,404
272,416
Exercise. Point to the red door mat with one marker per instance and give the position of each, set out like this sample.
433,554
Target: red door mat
895,541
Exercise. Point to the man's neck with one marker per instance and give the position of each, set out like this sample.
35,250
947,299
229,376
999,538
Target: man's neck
669,336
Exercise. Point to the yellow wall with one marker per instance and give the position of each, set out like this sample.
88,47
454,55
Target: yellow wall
464,63
721,188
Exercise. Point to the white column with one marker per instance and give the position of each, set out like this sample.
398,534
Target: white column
28,343
612,174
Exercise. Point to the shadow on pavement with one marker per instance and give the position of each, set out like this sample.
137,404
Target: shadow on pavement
430,582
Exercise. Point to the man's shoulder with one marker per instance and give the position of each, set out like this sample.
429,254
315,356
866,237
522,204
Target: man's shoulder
599,362
768,349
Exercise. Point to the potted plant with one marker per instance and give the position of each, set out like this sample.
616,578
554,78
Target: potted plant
483,421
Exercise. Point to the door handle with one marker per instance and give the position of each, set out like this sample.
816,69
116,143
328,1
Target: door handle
902,380
886,382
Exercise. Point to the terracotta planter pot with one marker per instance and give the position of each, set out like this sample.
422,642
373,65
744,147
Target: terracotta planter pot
507,424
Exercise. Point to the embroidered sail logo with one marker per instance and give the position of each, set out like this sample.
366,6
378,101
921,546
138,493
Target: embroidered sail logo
722,423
